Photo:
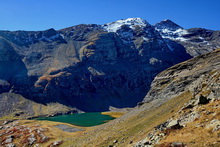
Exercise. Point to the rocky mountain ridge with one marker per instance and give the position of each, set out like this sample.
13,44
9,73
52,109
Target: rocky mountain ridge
197,41
92,67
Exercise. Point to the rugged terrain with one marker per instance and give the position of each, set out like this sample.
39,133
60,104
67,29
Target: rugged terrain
181,109
197,122
92,67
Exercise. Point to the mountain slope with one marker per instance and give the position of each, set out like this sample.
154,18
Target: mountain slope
92,67
200,77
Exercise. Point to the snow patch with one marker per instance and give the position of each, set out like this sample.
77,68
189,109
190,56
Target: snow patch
146,39
62,36
127,35
179,39
173,35
50,38
171,49
154,61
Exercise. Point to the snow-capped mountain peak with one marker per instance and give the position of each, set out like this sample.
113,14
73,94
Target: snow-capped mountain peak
169,29
167,24
131,22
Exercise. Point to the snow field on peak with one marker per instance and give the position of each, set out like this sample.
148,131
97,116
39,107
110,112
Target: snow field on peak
131,22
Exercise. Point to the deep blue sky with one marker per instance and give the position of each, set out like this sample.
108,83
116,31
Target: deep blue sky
44,14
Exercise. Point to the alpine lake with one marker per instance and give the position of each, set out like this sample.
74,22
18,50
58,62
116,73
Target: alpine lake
80,119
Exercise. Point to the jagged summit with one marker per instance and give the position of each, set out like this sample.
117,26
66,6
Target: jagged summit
166,28
131,22
167,24
169,29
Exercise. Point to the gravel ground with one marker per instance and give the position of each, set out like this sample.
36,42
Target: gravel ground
67,128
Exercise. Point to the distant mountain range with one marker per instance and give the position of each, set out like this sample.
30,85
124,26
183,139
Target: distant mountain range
91,67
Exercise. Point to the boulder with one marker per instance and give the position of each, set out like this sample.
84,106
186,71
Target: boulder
174,124
203,100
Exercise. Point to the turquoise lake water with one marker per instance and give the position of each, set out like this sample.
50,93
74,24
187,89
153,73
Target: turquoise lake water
82,119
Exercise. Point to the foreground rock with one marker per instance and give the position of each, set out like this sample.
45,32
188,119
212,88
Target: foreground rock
25,133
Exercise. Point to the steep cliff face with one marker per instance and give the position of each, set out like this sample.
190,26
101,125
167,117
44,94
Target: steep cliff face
90,67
